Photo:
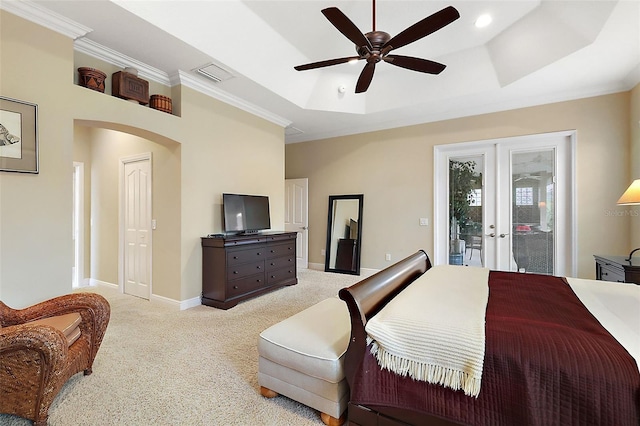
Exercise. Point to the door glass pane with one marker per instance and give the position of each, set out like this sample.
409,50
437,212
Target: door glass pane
465,210
533,212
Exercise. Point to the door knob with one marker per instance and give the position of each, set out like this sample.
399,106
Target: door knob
491,235
503,235
304,228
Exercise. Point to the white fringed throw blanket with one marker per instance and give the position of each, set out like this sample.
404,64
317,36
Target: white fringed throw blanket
434,330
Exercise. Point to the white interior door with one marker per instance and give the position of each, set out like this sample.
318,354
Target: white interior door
297,216
136,225
519,210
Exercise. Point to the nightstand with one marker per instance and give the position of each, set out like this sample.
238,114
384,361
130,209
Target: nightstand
616,268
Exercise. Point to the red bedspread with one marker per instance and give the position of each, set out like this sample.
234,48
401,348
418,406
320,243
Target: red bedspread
548,361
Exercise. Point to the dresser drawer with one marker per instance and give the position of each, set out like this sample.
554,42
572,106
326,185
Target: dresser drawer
610,273
245,285
278,250
279,275
241,271
280,262
237,257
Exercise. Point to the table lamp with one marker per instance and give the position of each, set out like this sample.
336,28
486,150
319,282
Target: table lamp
631,197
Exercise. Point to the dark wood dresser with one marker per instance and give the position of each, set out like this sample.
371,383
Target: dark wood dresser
237,267
615,268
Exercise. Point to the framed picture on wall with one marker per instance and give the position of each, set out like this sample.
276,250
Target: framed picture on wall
18,136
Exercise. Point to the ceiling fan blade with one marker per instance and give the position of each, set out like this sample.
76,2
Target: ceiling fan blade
423,28
326,63
346,27
415,64
365,77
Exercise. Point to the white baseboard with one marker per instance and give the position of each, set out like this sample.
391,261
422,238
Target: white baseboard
363,271
93,283
179,305
316,266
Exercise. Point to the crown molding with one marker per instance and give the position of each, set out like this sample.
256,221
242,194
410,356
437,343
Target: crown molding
98,51
42,16
196,84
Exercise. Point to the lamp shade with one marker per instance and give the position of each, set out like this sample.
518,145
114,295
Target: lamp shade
632,195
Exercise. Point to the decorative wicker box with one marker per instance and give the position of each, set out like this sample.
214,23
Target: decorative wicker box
91,78
161,103
129,86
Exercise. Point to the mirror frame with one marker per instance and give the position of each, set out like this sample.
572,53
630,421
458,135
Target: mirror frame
356,268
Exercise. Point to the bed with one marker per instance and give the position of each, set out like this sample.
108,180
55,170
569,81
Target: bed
548,360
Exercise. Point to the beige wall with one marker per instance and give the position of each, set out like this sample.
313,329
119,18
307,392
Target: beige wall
635,164
221,148
394,171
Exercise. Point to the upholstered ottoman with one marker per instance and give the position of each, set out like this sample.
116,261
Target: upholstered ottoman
301,357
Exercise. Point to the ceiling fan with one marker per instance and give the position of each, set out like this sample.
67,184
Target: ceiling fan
375,46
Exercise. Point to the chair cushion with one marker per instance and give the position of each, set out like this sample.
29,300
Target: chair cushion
312,341
69,324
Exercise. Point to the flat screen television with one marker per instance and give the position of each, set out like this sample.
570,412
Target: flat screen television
245,214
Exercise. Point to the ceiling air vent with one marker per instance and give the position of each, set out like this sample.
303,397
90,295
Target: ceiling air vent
214,72
292,131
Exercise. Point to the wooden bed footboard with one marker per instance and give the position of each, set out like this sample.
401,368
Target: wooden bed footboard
365,298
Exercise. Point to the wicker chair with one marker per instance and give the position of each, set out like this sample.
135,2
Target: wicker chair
36,360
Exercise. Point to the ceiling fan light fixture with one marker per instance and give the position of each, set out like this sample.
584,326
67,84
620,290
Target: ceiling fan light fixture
483,20
374,46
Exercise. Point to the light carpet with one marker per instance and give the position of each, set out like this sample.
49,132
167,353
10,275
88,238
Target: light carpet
160,366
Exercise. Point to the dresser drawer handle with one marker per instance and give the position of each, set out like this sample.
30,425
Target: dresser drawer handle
235,272
258,267
258,253
272,264
235,287
273,276
235,257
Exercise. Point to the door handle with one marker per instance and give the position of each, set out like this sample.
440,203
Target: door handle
491,235
503,235
304,228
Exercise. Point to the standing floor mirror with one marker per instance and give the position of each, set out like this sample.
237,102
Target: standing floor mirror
344,234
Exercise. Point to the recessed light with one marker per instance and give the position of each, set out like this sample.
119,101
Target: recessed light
483,20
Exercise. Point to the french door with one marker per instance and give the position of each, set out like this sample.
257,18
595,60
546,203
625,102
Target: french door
507,204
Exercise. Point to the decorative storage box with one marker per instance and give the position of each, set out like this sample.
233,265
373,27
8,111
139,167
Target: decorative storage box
91,78
161,103
129,86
